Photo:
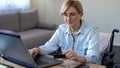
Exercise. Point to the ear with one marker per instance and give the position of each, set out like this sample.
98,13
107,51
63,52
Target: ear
81,14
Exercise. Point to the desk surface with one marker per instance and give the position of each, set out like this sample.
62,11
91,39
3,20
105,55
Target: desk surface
65,64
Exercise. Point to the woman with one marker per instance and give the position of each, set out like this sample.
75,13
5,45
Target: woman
77,40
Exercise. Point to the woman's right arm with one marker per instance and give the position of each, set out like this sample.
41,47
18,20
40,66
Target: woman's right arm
50,46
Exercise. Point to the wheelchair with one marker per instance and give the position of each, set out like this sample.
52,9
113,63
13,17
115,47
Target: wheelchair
108,58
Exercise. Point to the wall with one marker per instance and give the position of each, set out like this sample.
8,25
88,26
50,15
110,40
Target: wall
48,10
38,4
103,13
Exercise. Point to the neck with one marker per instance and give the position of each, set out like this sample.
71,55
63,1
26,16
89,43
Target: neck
76,27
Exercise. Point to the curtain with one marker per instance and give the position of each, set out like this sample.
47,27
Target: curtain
14,5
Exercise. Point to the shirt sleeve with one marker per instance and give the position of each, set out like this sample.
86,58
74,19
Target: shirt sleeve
93,55
51,45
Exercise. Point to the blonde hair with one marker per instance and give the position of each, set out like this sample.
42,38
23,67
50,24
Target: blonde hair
71,3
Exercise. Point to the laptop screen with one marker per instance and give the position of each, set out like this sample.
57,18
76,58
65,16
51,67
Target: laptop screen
12,46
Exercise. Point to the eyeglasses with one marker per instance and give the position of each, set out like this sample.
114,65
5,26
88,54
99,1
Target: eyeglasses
69,15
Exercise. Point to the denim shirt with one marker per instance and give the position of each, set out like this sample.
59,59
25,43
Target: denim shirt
85,44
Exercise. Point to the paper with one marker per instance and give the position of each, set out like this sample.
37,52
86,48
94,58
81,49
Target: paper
70,64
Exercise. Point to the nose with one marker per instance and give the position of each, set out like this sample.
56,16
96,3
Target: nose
68,17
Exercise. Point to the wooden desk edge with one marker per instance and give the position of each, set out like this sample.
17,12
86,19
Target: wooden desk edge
55,66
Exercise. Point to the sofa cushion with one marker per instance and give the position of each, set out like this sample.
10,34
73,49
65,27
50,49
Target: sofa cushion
9,21
49,26
28,19
35,37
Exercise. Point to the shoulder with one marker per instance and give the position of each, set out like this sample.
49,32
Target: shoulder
90,27
63,27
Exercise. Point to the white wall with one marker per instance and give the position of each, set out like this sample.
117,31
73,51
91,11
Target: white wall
103,13
48,10
40,5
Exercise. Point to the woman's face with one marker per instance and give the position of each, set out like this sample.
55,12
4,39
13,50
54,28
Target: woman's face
72,17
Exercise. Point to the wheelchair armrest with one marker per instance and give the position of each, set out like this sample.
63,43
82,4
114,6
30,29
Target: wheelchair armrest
110,54
108,59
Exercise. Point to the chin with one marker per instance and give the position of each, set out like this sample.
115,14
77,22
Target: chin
70,25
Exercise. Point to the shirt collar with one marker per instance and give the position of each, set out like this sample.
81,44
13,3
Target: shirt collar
82,28
80,31
68,30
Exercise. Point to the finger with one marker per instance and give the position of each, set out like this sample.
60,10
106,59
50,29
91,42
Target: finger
69,55
66,52
34,52
72,58
30,51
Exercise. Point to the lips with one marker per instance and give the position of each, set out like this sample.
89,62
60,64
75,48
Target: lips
69,22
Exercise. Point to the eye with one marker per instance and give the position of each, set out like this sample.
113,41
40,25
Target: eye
72,14
69,14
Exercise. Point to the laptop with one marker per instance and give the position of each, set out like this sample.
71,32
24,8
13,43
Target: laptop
14,50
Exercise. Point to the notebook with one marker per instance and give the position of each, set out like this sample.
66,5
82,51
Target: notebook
14,50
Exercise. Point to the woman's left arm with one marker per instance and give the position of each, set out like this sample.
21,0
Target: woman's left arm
92,54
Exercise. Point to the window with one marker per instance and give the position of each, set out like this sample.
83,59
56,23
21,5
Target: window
14,5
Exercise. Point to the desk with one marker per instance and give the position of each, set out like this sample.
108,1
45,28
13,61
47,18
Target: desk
65,64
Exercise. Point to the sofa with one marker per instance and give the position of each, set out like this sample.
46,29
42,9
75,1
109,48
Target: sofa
26,24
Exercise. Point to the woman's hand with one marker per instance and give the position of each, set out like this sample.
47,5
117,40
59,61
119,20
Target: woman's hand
33,52
73,56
